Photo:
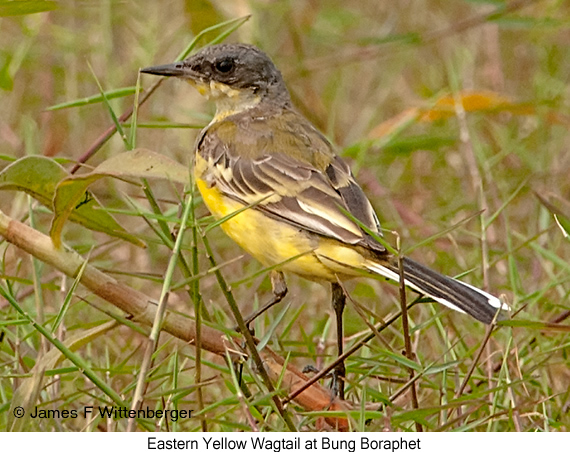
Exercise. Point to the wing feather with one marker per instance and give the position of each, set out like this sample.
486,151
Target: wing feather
307,186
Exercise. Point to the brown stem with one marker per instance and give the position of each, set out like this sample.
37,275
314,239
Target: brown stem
142,309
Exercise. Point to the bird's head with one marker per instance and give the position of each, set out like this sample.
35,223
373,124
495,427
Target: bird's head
235,76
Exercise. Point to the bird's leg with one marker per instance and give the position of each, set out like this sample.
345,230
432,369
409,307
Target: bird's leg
339,372
279,291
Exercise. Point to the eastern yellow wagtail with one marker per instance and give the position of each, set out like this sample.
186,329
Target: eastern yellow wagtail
258,151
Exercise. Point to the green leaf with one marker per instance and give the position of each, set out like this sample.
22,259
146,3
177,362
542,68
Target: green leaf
400,38
403,360
28,392
34,175
488,2
71,193
121,92
232,25
534,325
407,145
6,79
528,22
19,8
39,176
112,113
201,14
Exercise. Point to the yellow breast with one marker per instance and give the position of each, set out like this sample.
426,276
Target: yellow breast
275,242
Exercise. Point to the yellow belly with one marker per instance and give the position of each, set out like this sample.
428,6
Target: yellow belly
274,242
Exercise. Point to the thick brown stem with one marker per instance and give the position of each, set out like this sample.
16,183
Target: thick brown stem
142,308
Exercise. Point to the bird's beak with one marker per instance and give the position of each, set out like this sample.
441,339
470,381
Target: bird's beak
182,70
167,70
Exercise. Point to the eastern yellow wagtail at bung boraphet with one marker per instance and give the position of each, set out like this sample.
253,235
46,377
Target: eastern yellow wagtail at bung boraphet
258,151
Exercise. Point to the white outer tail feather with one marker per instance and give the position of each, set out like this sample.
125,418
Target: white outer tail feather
391,274
491,299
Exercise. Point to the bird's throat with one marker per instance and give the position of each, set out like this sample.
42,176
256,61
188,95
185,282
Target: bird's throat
229,101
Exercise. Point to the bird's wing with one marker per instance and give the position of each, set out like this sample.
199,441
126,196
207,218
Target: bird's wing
289,187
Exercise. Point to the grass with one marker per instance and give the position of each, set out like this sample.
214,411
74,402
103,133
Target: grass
384,83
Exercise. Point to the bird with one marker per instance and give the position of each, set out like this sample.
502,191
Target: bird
287,197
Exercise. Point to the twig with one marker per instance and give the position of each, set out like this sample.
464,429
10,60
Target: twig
406,329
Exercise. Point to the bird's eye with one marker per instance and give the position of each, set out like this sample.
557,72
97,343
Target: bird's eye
225,66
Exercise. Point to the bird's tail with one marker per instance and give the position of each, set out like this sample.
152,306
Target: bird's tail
450,292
